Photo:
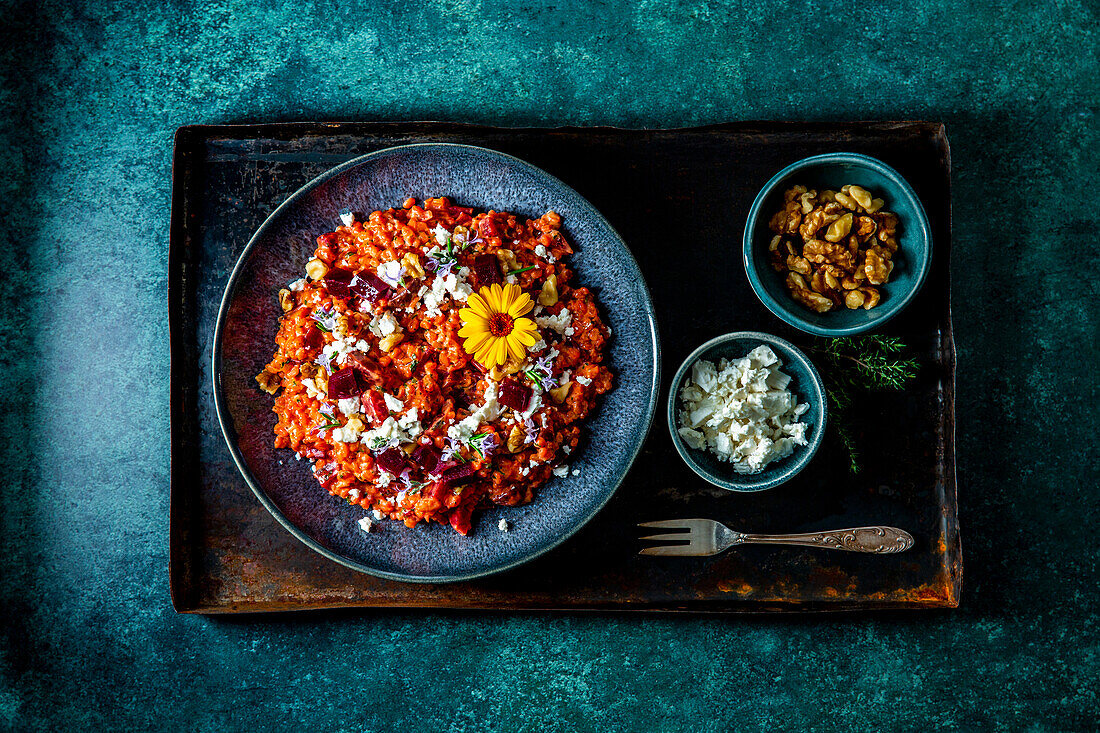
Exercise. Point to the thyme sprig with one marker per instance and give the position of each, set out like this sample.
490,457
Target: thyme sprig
853,366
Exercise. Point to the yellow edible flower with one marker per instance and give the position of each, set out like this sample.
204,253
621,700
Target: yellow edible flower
492,325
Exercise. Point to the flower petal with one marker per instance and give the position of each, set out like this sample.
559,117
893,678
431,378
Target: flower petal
500,352
525,325
521,306
475,326
477,342
527,338
469,315
478,305
491,299
516,350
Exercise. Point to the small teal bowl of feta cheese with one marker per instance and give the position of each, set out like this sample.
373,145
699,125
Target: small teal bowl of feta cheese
747,411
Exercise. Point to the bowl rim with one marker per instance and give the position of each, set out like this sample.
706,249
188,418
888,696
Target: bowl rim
743,483
786,312
224,417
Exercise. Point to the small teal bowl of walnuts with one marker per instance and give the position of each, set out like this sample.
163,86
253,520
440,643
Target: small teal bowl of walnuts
837,244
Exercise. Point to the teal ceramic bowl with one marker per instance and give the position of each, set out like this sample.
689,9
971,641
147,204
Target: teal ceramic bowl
805,384
834,170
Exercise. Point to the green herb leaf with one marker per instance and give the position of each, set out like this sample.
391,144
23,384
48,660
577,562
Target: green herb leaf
855,366
318,325
333,424
522,269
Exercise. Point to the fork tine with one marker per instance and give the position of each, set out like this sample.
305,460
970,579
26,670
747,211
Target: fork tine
667,524
669,536
673,551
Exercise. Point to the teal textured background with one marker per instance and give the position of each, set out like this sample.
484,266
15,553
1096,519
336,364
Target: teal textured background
91,94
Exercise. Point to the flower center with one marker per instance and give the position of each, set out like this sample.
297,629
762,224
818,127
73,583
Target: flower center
500,324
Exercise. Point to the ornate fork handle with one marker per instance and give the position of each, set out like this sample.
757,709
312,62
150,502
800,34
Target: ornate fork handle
855,539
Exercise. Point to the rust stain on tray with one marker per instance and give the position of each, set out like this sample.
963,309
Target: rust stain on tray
228,555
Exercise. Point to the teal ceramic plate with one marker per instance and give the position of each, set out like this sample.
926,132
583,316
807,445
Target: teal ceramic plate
805,384
834,170
244,340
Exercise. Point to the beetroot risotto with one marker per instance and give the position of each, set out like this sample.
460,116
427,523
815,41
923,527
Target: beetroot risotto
435,360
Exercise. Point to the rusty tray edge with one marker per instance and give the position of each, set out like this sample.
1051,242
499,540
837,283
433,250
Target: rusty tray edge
183,350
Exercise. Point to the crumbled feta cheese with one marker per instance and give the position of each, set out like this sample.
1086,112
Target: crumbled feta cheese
312,390
568,331
541,251
576,472
377,514
391,272
535,404
349,405
387,431
742,411
347,217
502,525
384,325
345,434
558,323
567,449
441,235
487,412
353,494
385,478
584,380
297,285
365,524
410,423
538,345
561,471
394,404
337,351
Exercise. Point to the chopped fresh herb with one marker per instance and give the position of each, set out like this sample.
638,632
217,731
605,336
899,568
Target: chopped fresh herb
536,377
326,426
321,326
522,269
856,365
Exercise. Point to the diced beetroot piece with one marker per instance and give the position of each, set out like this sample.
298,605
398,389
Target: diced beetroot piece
438,491
488,228
427,457
370,374
375,405
459,474
343,384
460,519
392,460
314,339
369,286
336,282
514,395
337,289
487,269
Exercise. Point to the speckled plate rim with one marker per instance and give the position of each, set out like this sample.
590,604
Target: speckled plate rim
803,459
754,213
229,433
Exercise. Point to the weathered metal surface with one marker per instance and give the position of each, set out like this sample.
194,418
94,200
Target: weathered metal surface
679,198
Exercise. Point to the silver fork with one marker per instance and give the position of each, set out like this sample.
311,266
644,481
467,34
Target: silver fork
707,537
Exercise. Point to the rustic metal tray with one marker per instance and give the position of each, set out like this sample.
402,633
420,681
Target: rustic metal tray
679,199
